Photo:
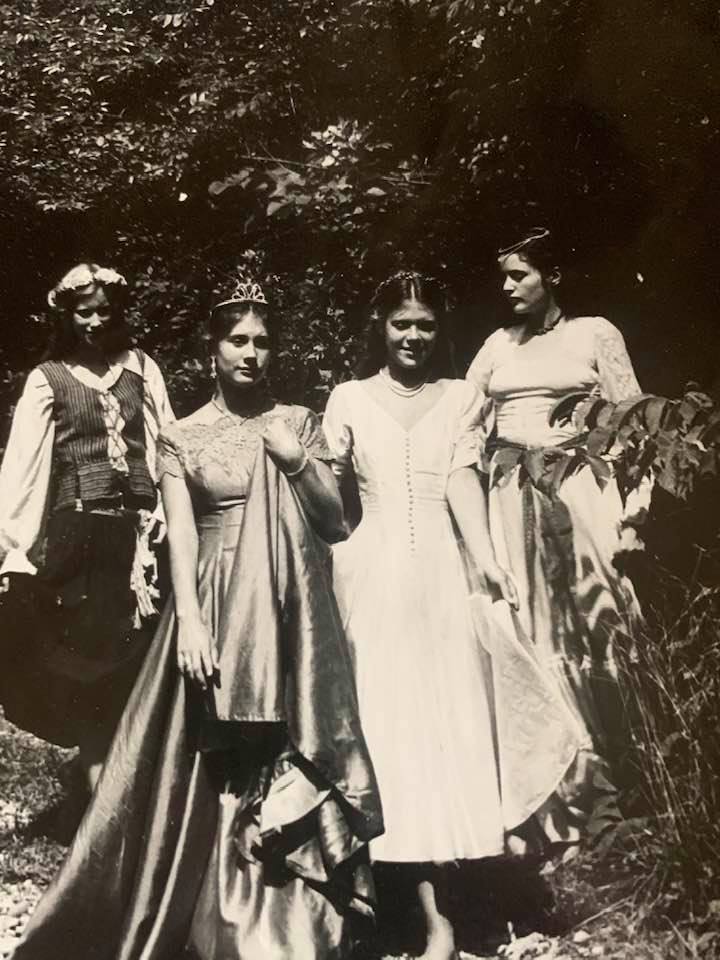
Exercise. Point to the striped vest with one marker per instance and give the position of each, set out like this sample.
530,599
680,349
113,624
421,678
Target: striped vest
81,465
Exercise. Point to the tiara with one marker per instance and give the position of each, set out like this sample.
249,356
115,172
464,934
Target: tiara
535,233
244,292
402,275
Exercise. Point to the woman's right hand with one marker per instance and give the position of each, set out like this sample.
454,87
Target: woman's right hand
196,656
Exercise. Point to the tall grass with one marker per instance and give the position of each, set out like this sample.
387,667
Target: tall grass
672,683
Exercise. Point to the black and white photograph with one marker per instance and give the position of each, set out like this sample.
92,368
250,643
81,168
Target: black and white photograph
359,480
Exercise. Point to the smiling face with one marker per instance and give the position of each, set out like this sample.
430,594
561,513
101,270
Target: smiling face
242,355
411,333
528,291
91,316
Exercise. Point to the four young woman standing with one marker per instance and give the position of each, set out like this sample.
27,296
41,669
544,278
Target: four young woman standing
239,800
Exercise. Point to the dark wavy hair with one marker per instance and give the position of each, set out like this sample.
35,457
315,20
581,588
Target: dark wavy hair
390,296
64,339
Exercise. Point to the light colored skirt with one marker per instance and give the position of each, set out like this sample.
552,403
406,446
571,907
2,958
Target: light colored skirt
428,691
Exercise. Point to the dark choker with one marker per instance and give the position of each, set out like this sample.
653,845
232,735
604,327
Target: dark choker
551,326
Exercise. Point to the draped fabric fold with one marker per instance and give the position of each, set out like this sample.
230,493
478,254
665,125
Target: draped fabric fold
298,668
239,827
537,737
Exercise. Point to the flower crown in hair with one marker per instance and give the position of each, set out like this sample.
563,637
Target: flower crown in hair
85,275
402,275
244,292
535,233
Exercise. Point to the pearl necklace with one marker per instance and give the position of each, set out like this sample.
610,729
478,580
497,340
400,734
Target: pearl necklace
398,388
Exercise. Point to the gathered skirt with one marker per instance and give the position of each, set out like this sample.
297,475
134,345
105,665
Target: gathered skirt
576,608
441,714
71,646
213,840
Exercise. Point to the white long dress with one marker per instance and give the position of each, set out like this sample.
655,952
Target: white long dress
575,605
427,689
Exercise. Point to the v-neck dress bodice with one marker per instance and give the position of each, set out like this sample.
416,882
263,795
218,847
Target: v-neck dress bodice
402,473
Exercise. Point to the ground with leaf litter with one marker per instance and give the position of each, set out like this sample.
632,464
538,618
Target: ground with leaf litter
30,852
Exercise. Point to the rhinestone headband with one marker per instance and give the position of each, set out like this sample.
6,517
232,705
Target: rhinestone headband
535,233
402,275
244,292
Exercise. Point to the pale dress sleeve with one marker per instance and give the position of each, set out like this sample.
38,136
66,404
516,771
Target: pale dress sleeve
338,431
158,411
481,369
158,414
25,475
479,374
615,370
169,459
617,383
468,438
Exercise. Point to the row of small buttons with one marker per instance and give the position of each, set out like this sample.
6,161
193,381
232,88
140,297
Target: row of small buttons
411,498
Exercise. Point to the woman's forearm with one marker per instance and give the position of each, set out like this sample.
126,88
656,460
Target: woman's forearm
318,493
183,546
468,504
183,570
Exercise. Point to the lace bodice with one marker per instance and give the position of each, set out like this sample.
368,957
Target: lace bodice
215,451
525,379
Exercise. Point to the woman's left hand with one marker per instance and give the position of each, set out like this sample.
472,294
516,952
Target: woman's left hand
283,446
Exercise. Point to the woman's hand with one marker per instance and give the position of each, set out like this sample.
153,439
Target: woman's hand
500,583
196,655
283,447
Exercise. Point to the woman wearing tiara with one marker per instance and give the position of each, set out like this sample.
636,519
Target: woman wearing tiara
77,501
561,546
235,808
458,766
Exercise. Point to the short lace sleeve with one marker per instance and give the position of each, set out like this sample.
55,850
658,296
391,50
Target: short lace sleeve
615,370
169,460
338,431
310,434
468,439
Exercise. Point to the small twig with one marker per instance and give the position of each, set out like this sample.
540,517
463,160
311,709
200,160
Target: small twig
601,913
286,163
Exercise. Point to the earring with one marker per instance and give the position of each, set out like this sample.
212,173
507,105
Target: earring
213,371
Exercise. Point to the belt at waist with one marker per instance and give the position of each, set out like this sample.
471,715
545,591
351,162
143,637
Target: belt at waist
499,443
114,506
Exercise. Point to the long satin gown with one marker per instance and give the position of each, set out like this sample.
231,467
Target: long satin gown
467,740
233,825
560,547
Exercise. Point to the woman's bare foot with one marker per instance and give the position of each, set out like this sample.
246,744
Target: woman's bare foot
441,945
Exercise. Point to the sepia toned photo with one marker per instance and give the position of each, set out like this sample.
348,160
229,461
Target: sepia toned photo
360,480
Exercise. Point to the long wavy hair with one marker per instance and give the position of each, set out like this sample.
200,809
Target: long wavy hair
390,296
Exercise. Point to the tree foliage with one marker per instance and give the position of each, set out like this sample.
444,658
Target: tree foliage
337,141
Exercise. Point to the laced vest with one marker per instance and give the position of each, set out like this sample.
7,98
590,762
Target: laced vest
82,468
